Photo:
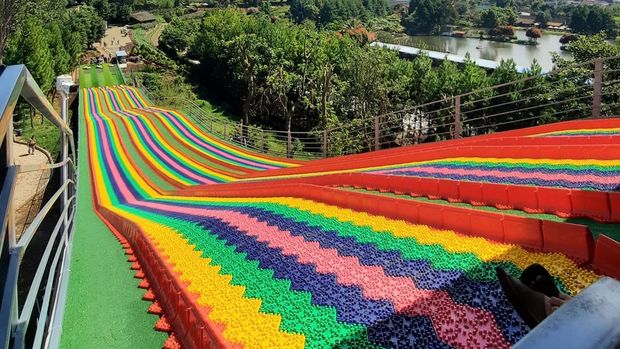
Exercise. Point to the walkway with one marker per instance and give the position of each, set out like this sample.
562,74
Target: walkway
30,186
436,55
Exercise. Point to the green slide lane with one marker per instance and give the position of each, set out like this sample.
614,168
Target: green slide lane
104,304
91,76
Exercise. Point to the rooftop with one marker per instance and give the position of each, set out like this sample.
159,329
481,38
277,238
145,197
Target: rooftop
143,17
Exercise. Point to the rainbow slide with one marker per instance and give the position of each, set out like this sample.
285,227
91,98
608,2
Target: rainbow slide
396,248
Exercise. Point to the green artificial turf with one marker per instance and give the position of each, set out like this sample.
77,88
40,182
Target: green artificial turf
99,77
104,304
611,230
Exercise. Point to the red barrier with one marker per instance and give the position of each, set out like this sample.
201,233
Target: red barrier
398,184
530,151
614,206
471,192
555,200
523,231
573,240
607,257
449,190
457,220
190,321
487,225
431,215
496,195
563,202
428,187
408,211
593,204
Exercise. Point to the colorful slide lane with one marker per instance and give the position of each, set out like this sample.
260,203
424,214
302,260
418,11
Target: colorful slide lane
283,271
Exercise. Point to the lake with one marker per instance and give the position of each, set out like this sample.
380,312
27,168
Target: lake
523,55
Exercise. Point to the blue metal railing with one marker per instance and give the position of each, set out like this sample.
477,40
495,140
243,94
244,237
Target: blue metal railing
48,285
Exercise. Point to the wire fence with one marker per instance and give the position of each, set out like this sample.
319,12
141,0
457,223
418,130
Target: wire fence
584,90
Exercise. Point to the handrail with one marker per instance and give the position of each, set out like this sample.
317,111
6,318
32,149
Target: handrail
24,240
26,313
16,81
39,167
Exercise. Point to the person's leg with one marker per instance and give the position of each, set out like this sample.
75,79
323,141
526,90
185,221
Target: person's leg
531,305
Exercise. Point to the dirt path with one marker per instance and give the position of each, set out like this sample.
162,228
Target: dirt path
157,33
30,186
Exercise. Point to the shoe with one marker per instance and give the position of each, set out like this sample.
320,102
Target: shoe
538,278
529,304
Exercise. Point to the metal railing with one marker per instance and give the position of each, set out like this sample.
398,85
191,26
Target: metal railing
584,90
45,289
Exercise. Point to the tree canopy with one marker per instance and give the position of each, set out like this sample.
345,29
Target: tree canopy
328,11
48,38
593,19
285,76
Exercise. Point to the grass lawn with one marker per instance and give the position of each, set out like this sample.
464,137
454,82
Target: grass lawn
46,133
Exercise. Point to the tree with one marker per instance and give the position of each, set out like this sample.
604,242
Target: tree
502,32
533,33
74,45
113,10
593,19
495,17
58,53
30,46
568,38
246,52
9,9
302,10
542,18
579,20
587,48
328,11
426,16
178,36
88,23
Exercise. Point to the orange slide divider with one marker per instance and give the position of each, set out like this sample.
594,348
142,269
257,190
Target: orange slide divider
566,203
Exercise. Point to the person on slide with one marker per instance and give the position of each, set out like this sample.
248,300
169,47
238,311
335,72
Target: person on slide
534,295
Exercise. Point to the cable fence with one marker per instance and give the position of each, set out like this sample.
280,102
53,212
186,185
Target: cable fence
584,90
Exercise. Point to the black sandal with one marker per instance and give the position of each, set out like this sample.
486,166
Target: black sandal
538,278
529,304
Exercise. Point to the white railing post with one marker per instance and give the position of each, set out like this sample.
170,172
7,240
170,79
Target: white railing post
63,84
597,84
